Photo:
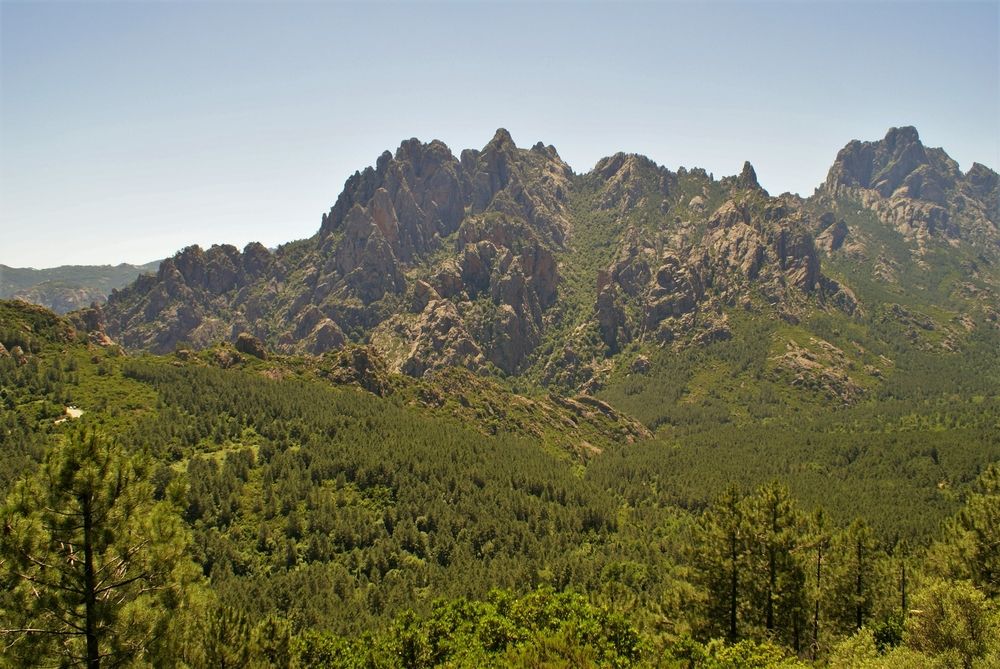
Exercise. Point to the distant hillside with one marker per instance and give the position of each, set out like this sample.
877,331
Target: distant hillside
68,287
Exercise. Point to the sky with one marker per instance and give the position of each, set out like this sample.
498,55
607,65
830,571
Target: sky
129,130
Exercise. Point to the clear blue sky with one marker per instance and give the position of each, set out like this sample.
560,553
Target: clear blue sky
131,129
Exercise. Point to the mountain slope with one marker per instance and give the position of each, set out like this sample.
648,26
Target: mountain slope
917,239
490,241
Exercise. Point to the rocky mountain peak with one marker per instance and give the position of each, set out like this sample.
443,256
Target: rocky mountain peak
547,151
884,165
450,239
629,179
423,157
747,178
630,163
901,137
532,185
437,260
919,191
983,181
501,141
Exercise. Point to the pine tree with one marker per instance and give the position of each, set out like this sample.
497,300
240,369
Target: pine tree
719,558
90,563
854,577
776,576
819,543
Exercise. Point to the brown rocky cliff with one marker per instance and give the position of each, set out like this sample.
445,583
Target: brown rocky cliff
436,259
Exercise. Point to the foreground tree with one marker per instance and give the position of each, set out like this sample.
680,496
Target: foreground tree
747,559
90,563
719,557
777,579
954,619
819,545
854,577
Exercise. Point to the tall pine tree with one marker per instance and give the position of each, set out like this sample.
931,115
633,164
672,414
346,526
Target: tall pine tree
90,564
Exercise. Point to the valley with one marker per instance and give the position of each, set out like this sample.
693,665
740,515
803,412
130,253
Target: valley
498,413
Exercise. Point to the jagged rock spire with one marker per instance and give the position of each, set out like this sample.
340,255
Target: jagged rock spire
748,177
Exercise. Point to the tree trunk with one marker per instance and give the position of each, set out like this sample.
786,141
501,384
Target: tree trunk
733,588
772,569
819,565
902,583
772,577
859,589
90,584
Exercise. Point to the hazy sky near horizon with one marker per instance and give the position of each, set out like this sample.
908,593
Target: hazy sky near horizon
129,130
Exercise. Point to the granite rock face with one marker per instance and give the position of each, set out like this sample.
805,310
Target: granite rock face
918,191
488,225
188,298
669,282
831,233
247,343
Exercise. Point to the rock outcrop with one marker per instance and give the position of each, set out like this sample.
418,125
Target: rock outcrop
611,319
187,297
436,337
918,191
247,343
677,277
831,233
358,365
823,368
498,215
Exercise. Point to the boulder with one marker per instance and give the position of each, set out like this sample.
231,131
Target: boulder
326,336
448,280
226,357
641,365
422,293
509,338
832,237
247,343
358,365
19,356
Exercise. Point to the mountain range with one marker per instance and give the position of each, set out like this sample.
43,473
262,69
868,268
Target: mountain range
504,261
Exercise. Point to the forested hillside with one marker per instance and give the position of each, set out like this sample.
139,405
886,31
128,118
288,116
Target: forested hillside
252,509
